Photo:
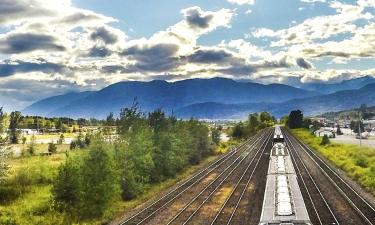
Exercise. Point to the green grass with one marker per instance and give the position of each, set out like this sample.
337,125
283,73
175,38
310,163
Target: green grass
26,196
357,162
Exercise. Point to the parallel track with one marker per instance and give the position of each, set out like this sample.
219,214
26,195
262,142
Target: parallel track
227,211
363,208
187,213
323,213
151,210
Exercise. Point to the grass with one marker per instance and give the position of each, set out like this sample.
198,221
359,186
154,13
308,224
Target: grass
357,162
26,196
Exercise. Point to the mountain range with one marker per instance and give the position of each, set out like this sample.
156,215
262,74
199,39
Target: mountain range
216,98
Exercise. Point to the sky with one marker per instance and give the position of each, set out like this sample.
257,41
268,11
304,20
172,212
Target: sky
51,47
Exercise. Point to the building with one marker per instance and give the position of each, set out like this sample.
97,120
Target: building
322,132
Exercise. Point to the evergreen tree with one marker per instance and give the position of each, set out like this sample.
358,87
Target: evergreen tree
215,135
15,119
98,182
325,140
65,188
295,119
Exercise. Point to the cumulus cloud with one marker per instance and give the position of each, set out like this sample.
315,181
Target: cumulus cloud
104,34
26,42
9,68
195,17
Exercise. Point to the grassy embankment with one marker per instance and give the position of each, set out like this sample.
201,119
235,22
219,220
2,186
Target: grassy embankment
26,196
357,162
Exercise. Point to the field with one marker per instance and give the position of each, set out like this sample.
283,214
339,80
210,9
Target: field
28,190
357,162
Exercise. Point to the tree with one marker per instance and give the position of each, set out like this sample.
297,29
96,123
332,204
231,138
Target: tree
4,167
215,135
354,126
110,121
61,139
52,148
4,153
295,119
325,140
253,122
65,188
265,117
157,120
135,160
31,146
15,119
98,182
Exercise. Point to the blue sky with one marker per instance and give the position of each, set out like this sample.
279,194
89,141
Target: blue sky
53,47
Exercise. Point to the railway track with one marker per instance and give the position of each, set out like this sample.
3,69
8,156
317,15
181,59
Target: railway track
322,212
229,208
361,206
152,209
187,213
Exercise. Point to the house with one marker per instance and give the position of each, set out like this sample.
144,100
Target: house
322,132
369,124
29,131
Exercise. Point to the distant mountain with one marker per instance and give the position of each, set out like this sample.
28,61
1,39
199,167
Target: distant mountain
165,95
47,106
310,106
352,84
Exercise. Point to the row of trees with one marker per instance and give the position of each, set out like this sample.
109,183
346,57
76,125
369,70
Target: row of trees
150,149
254,123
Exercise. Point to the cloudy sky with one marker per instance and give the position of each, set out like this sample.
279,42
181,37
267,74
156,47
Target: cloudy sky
50,47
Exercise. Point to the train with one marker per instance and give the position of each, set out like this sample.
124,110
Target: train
283,202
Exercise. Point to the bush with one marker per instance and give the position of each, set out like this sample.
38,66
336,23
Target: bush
52,148
361,161
8,194
6,220
325,140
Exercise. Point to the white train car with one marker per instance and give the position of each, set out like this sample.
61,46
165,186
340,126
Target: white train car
278,136
283,202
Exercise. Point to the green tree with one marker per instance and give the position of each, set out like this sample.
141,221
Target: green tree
135,160
61,139
265,117
31,146
325,140
98,183
15,119
4,152
356,125
215,135
65,188
52,148
295,119
110,121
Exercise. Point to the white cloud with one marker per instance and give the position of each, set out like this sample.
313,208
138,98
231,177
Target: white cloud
313,1
242,2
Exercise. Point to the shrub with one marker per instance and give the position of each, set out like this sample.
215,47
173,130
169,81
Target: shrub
325,140
52,148
6,220
361,161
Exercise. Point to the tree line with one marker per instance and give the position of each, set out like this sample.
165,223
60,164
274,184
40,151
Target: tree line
254,123
150,148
